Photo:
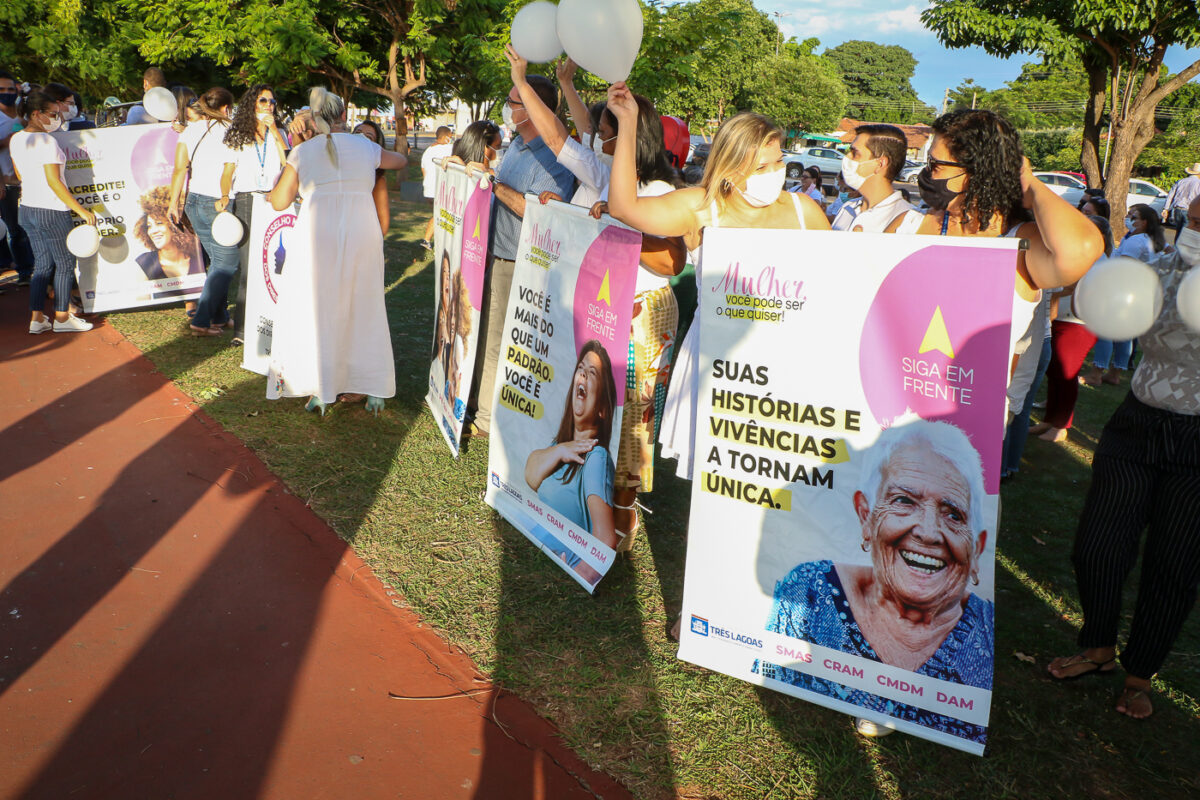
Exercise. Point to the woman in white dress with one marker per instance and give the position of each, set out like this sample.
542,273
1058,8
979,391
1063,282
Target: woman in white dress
331,334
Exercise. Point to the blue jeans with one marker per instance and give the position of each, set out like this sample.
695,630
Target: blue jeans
19,250
1018,429
222,263
1111,354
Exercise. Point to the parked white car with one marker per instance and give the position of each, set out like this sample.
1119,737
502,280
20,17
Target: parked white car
1068,187
910,171
1141,191
826,159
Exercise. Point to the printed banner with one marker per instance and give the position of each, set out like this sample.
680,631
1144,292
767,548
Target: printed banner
851,412
270,239
560,384
124,175
462,208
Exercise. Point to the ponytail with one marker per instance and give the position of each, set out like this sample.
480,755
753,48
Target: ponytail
34,100
211,102
327,110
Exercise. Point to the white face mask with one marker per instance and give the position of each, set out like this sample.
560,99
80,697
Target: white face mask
1188,245
72,112
763,188
850,172
1129,223
506,114
598,144
265,117
495,162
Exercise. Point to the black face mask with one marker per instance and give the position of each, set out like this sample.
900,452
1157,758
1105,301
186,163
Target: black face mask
936,194
8,99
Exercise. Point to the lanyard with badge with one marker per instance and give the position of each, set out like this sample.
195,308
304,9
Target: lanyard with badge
262,166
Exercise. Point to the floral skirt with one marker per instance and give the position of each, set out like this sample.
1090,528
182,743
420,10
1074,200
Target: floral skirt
655,320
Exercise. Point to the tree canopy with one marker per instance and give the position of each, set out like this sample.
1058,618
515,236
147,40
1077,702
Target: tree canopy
878,79
1120,45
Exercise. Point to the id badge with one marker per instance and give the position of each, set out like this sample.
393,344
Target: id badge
263,183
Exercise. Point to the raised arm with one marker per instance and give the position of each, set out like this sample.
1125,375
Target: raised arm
566,81
549,127
671,214
390,159
541,464
1064,244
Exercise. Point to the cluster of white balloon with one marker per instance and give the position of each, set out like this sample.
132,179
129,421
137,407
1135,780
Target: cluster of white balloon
227,229
602,36
1120,298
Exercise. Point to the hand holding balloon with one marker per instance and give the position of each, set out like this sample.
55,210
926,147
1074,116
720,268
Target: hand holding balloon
517,65
621,103
566,71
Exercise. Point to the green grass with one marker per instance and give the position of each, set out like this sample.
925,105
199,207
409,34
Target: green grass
602,668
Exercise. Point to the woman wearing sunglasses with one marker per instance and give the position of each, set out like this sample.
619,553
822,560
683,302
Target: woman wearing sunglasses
978,182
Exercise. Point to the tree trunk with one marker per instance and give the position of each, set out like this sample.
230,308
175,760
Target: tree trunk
401,116
1128,140
1093,119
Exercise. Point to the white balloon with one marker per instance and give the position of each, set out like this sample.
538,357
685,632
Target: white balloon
227,229
83,241
1187,300
533,33
602,36
160,104
1119,298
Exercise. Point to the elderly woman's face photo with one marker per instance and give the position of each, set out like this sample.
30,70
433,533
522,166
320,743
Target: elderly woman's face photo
586,391
921,542
159,231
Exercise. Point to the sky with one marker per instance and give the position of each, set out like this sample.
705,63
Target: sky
899,22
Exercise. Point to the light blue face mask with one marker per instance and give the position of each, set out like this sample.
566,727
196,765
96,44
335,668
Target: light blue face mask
843,196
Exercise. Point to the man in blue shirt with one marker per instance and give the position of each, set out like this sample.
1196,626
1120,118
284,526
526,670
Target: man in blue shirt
529,166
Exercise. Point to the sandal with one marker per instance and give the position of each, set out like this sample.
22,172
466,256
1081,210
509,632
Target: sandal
626,542
204,331
1097,667
1131,696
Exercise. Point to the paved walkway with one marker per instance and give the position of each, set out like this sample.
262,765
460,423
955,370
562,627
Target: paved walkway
174,624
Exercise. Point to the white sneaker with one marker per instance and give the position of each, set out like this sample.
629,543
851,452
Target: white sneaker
40,327
72,325
866,727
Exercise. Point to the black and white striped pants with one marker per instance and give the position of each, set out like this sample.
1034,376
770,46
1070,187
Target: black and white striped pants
47,230
1146,474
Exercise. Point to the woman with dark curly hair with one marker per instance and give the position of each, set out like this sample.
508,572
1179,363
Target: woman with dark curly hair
255,136
979,183
172,248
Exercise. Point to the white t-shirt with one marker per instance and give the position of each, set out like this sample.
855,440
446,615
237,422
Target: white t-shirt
873,220
205,143
137,115
430,170
1136,245
258,166
31,152
7,124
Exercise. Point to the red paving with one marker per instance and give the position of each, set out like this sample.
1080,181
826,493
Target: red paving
173,624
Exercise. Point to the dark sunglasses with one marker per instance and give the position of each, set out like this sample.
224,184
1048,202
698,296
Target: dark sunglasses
934,163
193,103
262,101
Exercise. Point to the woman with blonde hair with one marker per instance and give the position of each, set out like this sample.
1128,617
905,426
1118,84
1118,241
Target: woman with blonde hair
331,332
742,188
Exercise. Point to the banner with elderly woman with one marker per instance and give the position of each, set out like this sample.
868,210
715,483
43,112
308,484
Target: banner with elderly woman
124,176
851,411
560,385
461,209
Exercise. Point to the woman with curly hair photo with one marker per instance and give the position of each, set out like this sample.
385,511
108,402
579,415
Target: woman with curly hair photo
172,249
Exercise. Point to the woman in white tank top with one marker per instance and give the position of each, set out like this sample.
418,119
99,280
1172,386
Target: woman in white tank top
742,188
